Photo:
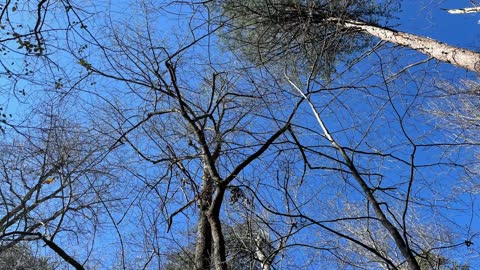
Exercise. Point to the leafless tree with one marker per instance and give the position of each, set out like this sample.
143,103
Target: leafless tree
457,108
204,127
162,130
51,182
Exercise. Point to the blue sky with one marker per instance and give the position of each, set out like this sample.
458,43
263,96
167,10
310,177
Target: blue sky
428,18
424,18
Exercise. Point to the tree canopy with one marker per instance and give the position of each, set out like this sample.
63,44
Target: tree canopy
258,134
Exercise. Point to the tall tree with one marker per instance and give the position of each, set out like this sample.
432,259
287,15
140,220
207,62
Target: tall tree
204,127
329,29
167,127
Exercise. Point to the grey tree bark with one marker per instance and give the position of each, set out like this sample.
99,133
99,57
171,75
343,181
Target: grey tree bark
332,30
443,52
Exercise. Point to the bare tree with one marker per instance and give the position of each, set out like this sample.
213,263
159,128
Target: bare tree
224,124
204,127
457,108
162,129
51,181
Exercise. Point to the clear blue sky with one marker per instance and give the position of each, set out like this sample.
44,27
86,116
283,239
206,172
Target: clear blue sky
428,18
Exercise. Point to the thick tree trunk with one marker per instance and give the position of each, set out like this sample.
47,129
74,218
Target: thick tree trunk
219,254
442,52
203,248
210,246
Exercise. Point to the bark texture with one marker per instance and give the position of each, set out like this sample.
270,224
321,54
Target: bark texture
264,264
210,247
459,57
203,248
204,243
219,256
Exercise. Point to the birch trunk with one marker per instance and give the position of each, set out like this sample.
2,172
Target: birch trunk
441,51
463,10
400,242
264,264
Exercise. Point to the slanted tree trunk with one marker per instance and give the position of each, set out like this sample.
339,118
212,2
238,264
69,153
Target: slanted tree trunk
401,243
441,51
304,22
463,10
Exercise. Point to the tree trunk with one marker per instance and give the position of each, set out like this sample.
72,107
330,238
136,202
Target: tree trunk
442,52
203,248
219,254
463,10
401,243
259,254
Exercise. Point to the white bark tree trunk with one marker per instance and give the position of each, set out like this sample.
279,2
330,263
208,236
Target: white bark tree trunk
264,263
442,52
463,10
402,244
